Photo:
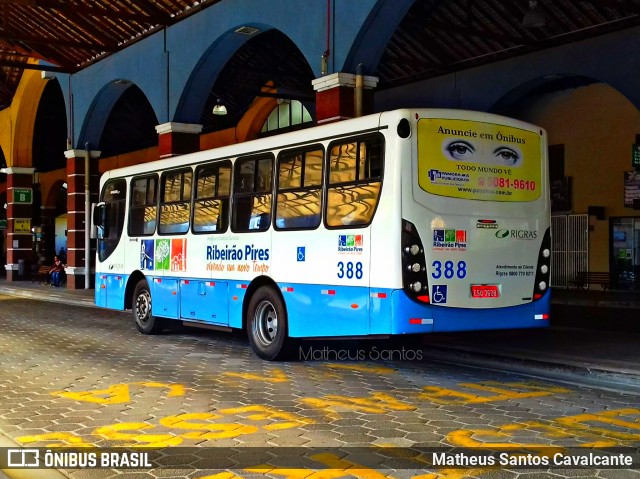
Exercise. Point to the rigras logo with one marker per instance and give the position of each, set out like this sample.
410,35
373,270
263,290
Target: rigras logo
517,234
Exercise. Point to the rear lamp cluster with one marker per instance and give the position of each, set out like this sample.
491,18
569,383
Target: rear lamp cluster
543,269
414,269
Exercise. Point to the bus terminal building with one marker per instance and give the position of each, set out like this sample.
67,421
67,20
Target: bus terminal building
98,86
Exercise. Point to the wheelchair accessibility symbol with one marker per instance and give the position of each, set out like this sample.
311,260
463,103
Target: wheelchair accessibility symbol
439,294
301,253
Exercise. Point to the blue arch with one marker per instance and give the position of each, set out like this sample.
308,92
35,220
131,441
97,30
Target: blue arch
372,39
206,71
99,111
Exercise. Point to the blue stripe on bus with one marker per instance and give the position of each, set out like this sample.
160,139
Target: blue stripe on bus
322,310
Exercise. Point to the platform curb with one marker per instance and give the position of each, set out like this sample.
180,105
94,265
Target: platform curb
614,378
48,296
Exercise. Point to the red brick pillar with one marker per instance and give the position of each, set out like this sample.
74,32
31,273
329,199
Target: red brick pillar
335,96
76,224
178,139
19,215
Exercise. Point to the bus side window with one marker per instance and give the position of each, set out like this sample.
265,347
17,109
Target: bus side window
299,189
175,202
143,207
355,181
211,205
252,194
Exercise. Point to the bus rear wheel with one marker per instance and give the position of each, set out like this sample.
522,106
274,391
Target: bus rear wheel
146,322
267,324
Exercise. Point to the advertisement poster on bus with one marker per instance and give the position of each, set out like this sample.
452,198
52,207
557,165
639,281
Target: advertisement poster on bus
479,160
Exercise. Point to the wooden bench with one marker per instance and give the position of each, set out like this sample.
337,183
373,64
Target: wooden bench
42,275
586,278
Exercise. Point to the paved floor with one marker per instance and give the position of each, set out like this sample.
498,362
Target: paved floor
594,338
82,376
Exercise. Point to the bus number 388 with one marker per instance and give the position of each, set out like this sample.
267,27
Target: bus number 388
350,270
449,270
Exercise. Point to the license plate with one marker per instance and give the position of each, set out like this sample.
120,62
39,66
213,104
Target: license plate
485,291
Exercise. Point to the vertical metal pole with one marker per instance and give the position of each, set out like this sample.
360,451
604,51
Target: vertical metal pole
87,214
357,95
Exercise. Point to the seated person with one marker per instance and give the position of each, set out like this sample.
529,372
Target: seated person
56,272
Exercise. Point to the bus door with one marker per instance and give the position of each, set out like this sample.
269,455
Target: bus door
109,220
171,256
203,296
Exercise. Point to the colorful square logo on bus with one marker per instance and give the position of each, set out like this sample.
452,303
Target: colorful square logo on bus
146,254
179,254
163,254
350,243
451,240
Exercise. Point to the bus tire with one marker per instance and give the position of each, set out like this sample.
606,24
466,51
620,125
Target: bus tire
267,324
145,321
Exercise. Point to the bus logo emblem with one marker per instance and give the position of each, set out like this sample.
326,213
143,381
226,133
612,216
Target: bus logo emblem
350,243
454,240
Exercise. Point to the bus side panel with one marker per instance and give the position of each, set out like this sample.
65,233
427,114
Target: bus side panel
109,290
204,301
380,311
236,292
326,310
116,284
101,290
166,299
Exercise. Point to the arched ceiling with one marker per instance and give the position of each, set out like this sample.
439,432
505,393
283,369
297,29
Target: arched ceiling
436,37
269,58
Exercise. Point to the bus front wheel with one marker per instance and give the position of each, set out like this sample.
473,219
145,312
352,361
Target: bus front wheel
267,324
146,322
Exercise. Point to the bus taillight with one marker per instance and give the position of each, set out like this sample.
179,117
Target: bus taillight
414,270
543,269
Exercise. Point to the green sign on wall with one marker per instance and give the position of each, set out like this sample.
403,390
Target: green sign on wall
23,196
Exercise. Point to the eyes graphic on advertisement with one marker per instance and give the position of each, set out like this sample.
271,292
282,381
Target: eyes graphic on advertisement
507,156
463,150
460,150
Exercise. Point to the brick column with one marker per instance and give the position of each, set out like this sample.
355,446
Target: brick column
335,96
178,139
76,224
19,214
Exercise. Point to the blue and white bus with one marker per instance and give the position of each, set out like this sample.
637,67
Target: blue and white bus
401,222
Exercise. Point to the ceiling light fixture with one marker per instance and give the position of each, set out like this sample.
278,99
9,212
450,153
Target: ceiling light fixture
219,108
534,17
